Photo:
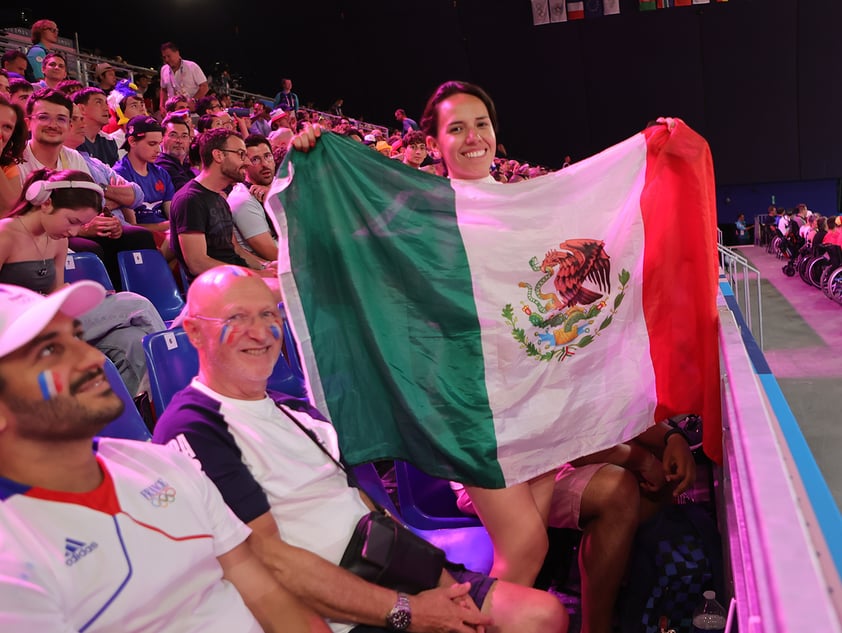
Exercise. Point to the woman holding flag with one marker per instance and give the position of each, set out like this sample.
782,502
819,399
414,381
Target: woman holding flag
601,494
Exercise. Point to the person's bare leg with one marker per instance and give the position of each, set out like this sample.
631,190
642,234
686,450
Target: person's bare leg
518,609
609,515
516,520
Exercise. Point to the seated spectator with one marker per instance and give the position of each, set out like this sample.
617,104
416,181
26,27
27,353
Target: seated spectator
55,71
414,149
19,91
69,86
95,110
124,103
175,148
202,228
253,228
109,512
106,77
143,141
33,248
117,190
12,144
277,479
177,103
15,63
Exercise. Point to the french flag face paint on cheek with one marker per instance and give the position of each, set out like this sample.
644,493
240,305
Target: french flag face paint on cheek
226,336
50,384
276,331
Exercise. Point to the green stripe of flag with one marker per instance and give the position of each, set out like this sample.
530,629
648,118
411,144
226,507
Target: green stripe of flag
399,358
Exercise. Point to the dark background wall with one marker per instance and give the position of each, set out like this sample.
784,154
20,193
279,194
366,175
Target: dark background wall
760,79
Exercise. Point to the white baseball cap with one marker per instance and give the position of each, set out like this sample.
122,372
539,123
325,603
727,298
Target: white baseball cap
24,313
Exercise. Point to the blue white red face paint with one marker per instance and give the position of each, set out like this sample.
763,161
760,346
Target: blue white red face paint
50,383
227,335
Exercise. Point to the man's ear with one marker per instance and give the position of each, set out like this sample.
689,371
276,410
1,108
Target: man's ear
194,332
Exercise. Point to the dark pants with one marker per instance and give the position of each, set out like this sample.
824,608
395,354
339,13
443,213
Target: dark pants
134,238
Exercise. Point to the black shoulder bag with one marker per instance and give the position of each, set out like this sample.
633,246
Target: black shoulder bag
382,550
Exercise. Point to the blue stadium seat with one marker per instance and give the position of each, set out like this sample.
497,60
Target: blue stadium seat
147,273
428,502
79,266
470,546
129,425
172,362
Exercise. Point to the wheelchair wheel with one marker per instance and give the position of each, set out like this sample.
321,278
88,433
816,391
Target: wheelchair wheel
803,267
789,269
825,278
834,285
815,269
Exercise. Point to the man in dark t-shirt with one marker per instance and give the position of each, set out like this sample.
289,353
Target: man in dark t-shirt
202,230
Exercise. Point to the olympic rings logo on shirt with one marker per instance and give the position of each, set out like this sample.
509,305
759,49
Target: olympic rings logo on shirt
163,498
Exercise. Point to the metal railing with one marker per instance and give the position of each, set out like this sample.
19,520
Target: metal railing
741,276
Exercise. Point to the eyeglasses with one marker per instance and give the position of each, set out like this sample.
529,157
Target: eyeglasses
240,322
239,152
52,29
45,119
265,158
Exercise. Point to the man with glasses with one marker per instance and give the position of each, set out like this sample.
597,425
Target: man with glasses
202,231
254,230
297,501
48,117
44,38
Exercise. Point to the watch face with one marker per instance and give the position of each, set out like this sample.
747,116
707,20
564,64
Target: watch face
399,619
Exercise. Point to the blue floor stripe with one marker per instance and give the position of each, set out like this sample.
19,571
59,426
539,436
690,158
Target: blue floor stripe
827,512
821,500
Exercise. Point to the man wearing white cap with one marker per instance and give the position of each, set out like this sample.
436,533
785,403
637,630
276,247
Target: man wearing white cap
114,534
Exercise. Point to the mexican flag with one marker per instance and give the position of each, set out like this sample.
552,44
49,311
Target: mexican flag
489,333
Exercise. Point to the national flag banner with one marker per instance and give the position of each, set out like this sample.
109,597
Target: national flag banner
648,5
540,12
599,8
575,9
699,2
558,10
489,333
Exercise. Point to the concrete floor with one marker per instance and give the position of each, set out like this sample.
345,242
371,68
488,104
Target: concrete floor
803,346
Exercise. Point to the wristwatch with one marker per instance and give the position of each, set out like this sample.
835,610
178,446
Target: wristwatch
400,617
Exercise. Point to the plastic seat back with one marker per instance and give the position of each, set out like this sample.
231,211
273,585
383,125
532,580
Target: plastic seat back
172,362
129,425
428,502
469,545
147,273
80,266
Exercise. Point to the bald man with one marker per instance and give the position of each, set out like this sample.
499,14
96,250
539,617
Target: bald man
297,501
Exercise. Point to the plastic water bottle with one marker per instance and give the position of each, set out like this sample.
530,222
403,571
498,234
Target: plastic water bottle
709,616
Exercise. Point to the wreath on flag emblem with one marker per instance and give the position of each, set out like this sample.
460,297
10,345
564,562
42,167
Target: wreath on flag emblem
570,316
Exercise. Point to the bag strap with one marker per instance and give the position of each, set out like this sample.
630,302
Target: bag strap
349,472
